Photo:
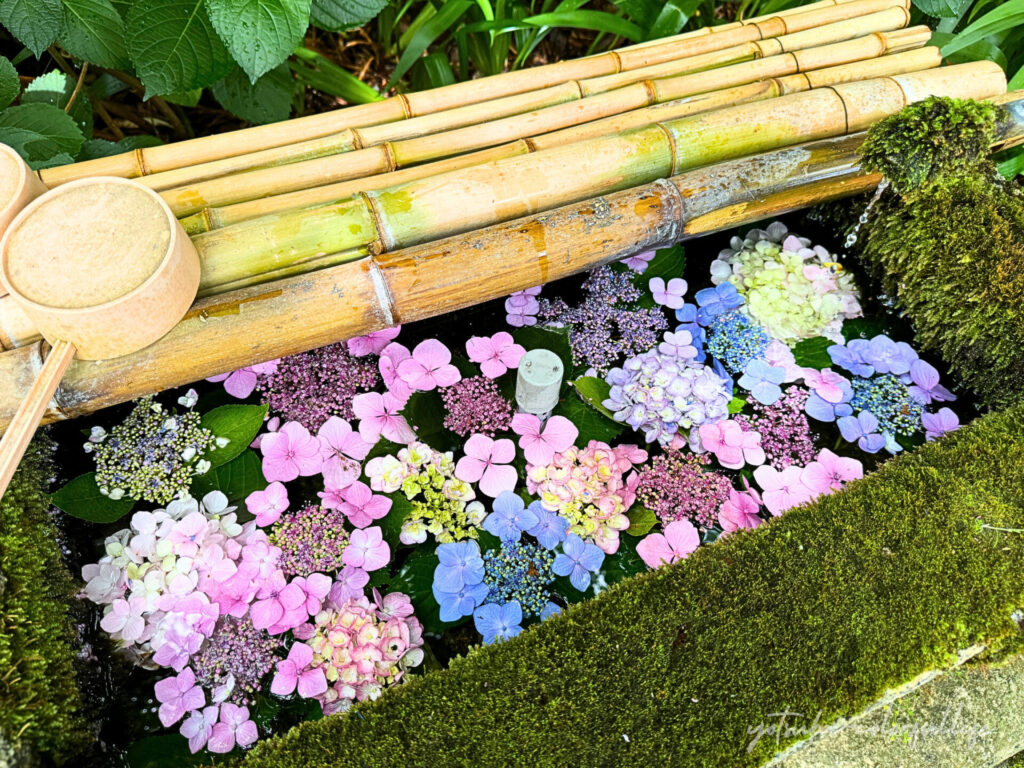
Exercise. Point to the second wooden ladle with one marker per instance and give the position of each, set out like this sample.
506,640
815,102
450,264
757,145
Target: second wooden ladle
102,268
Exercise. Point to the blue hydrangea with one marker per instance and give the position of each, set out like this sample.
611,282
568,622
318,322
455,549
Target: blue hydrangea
735,340
498,622
577,560
519,571
891,402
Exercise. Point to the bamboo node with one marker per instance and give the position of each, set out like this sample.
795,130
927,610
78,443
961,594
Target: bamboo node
140,162
357,139
406,105
671,145
383,242
651,89
382,290
618,61
388,148
676,222
846,111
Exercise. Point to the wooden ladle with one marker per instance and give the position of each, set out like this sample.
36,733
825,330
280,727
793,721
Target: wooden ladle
102,268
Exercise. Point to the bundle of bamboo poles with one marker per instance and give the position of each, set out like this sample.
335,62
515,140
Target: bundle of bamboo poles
292,315
272,203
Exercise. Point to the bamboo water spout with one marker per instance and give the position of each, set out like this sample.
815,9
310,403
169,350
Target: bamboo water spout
289,316
883,66
150,160
563,96
391,155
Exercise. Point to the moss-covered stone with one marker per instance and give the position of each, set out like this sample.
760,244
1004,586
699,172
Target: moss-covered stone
823,609
952,257
40,710
932,140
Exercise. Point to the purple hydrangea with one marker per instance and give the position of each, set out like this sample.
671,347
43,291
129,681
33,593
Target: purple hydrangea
577,560
863,430
717,301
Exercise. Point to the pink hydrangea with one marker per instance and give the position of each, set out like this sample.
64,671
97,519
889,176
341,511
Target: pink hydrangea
341,450
668,294
379,416
178,695
242,382
199,727
429,367
678,541
522,307
495,354
367,549
829,472
372,343
732,445
638,262
234,727
290,452
361,505
540,445
487,462
782,490
268,505
740,510
390,357
295,673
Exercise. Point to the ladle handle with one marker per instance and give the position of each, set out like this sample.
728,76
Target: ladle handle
30,412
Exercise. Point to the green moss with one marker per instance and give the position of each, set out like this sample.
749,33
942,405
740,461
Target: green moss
931,140
953,259
824,608
39,700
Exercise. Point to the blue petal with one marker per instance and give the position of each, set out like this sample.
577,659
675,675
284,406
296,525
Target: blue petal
818,409
549,610
563,565
449,578
580,578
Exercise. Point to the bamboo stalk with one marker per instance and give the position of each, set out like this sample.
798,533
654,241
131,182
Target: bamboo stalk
441,123
895,64
292,315
150,160
387,157
481,195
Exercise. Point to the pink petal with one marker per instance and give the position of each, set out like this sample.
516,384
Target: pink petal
525,424
246,734
503,451
479,348
284,681
241,383
264,613
447,375
654,550
560,433
432,354
537,451
682,537
470,469
312,683
492,368
222,740
498,478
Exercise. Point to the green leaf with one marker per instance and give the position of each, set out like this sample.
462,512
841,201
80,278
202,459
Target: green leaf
236,479
434,27
321,73
38,132
56,88
259,34
598,21
416,578
813,353
736,405
981,50
641,520
239,423
1013,166
673,16
93,31
174,46
591,424
81,498
553,339
594,391
391,523
340,15
167,750
943,9
863,328
10,85
268,100
434,71
185,98
1003,17
94,148
35,23
666,264
425,413
624,563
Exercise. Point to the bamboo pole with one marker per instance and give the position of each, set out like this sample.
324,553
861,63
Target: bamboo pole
883,66
474,197
440,124
150,160
390,156
293,315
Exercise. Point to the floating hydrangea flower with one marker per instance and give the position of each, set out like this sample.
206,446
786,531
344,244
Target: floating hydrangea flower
387,364
540,445
511,517
925,387
740,510
785,432
495,354
199,727
242,382
498,622
716,301
380,416
268,505
290,452
236,655
763,381
522,307
735,340
311,539
863,430
732,445
782,490
676,486
668,294
578,560
488,463
295,673
829,472
372,343
367,549
473,405
638,262
938,424
341,450
676,543
429,367
361,506
178,696
234,727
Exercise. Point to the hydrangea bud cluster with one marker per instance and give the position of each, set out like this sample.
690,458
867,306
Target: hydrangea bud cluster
590,488
795,291
890,401
236,657
311,539
474,405
735,340
662,391
442,504
361,647
153,454
521,571
607,325
786,436
678,486
313,386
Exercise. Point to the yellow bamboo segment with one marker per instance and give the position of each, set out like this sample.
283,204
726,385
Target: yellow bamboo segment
387,157
151,160
896,64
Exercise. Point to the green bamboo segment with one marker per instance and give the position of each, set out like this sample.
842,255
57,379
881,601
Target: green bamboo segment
143,162
896,64
434,132
443,205
387,157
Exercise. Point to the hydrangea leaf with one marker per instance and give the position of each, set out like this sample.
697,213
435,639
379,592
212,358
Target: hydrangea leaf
39,132
56,88
340,15
239,424
594,391
236,480
591,424
81,498
391,524
10,86
813,353
666,264
259,34
943,9
36,23
641,520
174,46
92,30
863,328
736,405
268,100
425,413
93,148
